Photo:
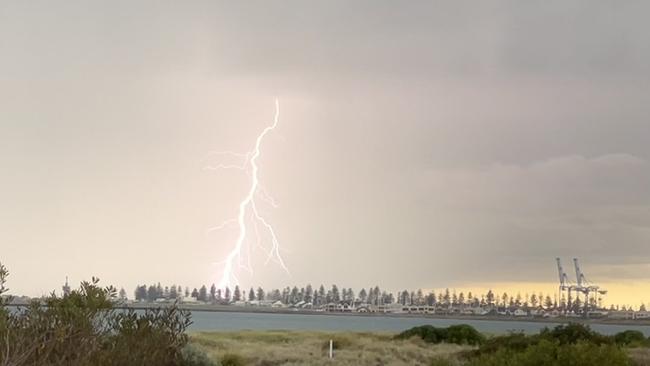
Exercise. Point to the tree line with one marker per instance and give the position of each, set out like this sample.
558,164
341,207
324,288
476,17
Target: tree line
334,294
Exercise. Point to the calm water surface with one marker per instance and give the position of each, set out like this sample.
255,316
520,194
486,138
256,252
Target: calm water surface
227,321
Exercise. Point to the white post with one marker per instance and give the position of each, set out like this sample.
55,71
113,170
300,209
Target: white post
331,348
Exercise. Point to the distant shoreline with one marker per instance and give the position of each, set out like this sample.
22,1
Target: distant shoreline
266,310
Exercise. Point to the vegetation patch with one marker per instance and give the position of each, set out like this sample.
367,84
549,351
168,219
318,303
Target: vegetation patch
194,356
631,338
312,348
232,359
84,328
456,334
573,344
552,353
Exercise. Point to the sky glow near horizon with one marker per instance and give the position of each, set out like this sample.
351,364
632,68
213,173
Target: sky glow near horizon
422,145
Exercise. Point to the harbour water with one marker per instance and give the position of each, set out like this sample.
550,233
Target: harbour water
233,321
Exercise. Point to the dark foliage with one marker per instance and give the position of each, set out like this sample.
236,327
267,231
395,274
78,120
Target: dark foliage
459,334
630,338
85,328
515,342
551,353
572,344
464,334
573,333
194,356
231,359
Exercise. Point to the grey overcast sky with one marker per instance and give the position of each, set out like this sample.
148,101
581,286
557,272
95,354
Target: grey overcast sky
421,144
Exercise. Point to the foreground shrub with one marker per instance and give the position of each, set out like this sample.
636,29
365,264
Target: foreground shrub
551,353
570,345
428,333
85,328
458,334
464,334
573,333
515,342
542,354
585,353
194,356
630,338
232,359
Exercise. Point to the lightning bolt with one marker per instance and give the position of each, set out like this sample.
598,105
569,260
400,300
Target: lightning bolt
240,255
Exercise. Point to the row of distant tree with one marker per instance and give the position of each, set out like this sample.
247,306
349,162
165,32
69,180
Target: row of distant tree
334,294
373,296
287,295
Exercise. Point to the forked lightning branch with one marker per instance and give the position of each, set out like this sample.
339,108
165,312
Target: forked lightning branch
251,225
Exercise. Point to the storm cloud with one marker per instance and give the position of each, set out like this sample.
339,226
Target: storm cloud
421,144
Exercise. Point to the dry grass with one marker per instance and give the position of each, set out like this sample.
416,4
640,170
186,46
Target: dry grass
640,356
269,348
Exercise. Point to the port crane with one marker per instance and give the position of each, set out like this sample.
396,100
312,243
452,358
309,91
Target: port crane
586,287
565,283
582,285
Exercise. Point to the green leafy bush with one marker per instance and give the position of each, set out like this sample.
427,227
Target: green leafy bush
464,334
428,333
630,338
541,354
573,333
590,354
85,328
458,334
552,353
232,359
515,342
194,356
570,345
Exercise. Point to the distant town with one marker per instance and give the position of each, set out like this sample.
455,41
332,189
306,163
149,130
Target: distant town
375,300
579,300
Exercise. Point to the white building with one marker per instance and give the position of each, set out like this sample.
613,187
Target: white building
189,300
520,312
621,314
642,315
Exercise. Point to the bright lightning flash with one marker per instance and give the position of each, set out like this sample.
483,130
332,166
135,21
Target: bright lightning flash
249,217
